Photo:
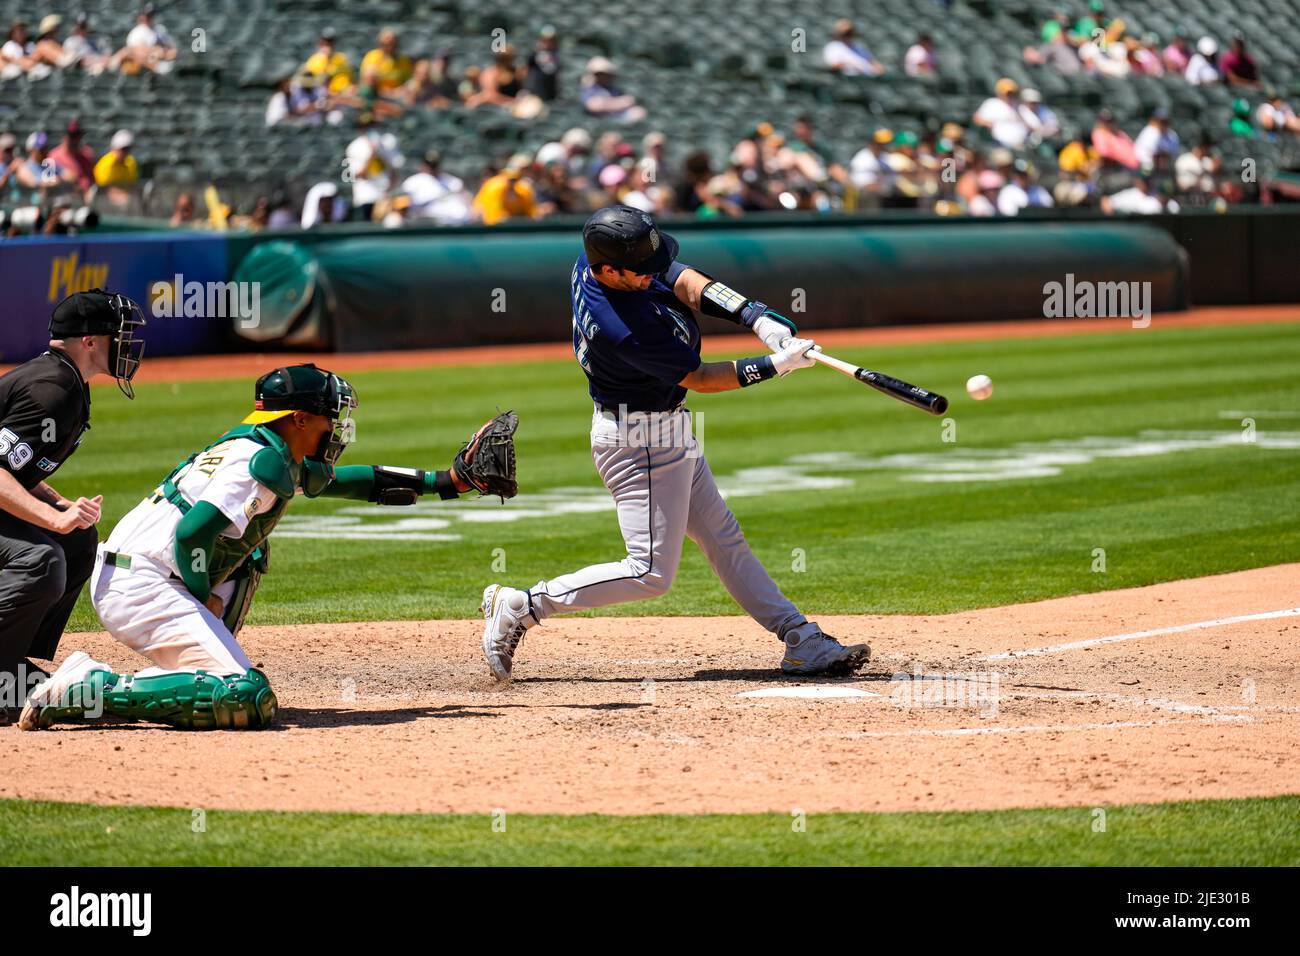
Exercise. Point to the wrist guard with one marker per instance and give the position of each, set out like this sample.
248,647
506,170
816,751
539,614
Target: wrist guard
397,486
751,371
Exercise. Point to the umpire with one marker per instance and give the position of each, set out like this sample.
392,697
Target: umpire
47,543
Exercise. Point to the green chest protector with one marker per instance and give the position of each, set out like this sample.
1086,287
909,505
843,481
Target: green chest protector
246,558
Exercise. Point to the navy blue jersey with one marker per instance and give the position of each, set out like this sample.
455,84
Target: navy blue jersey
634,346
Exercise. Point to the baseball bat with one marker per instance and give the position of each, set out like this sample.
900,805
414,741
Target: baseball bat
914,395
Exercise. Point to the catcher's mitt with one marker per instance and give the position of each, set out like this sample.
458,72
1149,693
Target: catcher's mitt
487,462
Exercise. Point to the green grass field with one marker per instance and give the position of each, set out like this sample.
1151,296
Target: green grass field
1258,832
878,543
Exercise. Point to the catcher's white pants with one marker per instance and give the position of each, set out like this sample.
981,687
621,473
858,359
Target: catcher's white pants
664,491
154,614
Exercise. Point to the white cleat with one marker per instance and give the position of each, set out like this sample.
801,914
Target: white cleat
504,610
814,652
50,693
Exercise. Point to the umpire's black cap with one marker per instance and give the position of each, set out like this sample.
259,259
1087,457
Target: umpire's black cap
627,238
86,313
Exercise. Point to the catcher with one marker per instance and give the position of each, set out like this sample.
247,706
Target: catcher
176,577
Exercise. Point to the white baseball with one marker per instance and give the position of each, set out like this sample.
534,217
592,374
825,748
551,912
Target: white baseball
979,387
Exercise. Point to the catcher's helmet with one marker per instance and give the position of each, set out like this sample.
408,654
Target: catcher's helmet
306,388
627,238
96,312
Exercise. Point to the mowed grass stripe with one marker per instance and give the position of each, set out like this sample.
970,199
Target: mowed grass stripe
1250,832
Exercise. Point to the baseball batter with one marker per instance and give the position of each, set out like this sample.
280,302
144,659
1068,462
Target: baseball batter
636,338
177,575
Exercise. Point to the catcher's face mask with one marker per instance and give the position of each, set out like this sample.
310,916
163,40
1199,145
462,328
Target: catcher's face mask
343,431
125,351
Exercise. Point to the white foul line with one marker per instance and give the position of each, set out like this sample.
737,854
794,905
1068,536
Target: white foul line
1136,635
1042,728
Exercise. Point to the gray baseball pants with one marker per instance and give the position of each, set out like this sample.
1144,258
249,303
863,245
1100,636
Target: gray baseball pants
664,491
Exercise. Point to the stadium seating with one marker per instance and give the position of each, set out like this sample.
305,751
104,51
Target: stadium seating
706,73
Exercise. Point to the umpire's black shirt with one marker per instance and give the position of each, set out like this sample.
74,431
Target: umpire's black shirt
44,408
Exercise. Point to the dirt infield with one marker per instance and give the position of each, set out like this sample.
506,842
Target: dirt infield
674,715
252,364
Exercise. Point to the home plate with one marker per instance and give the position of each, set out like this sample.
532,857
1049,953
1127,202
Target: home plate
816,691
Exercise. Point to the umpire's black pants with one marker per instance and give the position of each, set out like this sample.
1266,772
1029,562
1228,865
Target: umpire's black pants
41,574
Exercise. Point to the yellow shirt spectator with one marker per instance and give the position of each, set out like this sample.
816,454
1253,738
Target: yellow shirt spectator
1076,157
116,169
386,71
505,196
334,65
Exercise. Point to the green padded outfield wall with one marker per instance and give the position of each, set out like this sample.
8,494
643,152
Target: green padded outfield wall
483,287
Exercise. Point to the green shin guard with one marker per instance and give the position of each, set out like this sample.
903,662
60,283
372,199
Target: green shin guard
192,701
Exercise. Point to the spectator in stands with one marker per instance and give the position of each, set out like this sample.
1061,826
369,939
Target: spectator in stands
654,157
1195,170
919,59
75,159
1057,53
48,48
277,107
329,62
419,89
1042,121
601,95
371,160
323,205
116,173
809,157
1138,199
1023,191
1104,55
500,83
1275,115
554,189
386,67
1087,26
85,50
282,214
1000,114
1144,55
1156,139
1112,144
1241,123
148,46
468,85
608,148
182,211
1074,189
1057,26
507,195
1238,67
435,195
848,55
445,87
33,174
543,76
577,143
1201,68
984,202
692,192
18,55
1178,54
8,186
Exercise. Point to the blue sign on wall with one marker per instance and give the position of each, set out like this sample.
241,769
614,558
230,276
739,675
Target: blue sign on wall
37,273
